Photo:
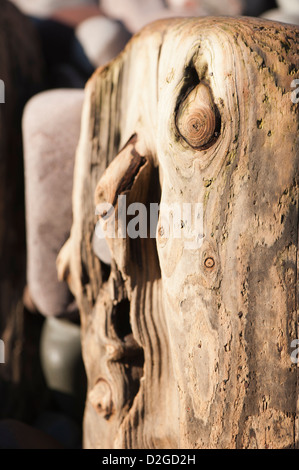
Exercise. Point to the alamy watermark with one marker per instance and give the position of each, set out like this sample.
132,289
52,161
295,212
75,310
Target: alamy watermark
2,352
2,92
295,353
162,221
295,93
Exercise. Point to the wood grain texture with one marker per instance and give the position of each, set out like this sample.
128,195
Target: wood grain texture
190,348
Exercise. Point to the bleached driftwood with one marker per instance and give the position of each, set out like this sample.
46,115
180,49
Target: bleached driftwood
189,345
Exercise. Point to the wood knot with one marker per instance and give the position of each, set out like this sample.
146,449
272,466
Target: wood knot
162,235
209,262
196,118
100,398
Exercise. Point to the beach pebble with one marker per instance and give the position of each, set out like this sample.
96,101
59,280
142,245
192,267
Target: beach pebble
51,127
101,38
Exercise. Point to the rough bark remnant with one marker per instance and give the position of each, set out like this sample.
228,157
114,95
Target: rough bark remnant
187,342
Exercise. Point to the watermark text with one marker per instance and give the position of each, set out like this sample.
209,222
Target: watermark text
295,93
2,92
169,221
2,352
295,353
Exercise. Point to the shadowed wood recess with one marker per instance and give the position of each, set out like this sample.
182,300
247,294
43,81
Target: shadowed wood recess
187,342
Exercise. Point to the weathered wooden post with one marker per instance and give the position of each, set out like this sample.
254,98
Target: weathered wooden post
189,345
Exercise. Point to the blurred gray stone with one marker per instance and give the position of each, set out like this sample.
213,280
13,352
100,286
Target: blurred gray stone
289,6
137,13
62,364
280,15
51,127
101,38
44,8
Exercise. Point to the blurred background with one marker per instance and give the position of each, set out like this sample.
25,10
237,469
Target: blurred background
48,51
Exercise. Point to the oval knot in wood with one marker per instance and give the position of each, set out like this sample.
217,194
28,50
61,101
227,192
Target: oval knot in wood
196,119
100,398
209,262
